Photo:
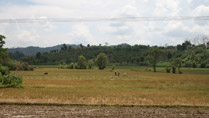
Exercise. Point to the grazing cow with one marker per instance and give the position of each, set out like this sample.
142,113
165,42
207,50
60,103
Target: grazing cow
118,74
46,73
115,73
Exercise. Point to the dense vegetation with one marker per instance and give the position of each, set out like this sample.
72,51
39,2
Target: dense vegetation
7,79
190,55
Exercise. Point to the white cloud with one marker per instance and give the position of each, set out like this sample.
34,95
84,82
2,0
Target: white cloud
80,35
152,32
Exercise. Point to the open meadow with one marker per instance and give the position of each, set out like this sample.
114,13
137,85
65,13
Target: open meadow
102,87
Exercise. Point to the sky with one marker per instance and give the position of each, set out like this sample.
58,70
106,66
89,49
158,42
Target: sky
48,33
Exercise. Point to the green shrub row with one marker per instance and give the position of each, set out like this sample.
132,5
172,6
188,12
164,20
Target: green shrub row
9,80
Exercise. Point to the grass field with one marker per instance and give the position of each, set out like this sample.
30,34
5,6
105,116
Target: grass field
91,87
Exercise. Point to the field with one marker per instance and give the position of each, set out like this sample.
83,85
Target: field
95,87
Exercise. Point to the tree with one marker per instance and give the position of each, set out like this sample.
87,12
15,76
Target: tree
38,55
101,61
153,56
2,42
64,47
90,63
186,45
81,46
82,62
3,54
177,63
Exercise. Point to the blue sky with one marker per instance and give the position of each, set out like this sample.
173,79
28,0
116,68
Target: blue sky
94,33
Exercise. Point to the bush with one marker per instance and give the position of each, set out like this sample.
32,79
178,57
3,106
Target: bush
168,69
18,66
113,67
203,65
4,70
174,69
188,64
90,63
12,80
70,66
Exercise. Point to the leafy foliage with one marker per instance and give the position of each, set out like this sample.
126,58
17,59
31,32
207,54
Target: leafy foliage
154,56
7,79
101,61
90,63
12,80
82,62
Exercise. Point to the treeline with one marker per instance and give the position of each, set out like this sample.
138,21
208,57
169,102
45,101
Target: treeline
191,55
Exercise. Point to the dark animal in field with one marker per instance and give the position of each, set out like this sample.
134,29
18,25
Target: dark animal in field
118,74
46,73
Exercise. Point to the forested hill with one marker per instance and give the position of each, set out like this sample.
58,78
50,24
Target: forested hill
192,55
31,50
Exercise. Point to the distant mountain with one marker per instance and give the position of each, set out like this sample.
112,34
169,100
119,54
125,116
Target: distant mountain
31,50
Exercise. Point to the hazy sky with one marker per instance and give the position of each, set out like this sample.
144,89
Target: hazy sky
94,33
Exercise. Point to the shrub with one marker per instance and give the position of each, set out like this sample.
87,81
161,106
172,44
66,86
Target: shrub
12,80
70,66
174,69
203,65
194,65
4,70
75,66
113,67
168,69
21,66
90,63
188,64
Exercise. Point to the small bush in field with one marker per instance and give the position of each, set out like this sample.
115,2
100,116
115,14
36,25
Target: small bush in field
22,66
4,70
168,69
12,80
174,69
113,67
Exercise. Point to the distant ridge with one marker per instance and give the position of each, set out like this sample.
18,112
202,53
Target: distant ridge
32,50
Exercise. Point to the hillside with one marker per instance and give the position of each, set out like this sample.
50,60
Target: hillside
123,54
31,50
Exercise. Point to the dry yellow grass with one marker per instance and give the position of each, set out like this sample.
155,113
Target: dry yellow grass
102,87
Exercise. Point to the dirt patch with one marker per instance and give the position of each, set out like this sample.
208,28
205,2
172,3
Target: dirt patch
22,111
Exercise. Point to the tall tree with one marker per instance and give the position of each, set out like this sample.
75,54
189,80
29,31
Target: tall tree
154,55
177,63
82,62
3,54
2,42
101,61
64,47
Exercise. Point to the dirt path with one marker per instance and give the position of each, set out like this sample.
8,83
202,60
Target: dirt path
15,111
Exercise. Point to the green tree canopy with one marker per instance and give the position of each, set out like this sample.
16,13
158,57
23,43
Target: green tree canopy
2,42
177,63
3,54
154,55
90,63
101,61
82,62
